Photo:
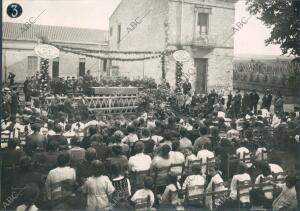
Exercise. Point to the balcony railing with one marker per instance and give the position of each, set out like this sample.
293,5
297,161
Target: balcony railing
204,41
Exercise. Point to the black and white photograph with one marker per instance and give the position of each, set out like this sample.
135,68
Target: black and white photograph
154,105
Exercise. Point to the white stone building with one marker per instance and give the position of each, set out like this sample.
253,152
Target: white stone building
204,28
18,55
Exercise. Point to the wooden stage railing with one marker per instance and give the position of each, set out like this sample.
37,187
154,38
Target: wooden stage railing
106,104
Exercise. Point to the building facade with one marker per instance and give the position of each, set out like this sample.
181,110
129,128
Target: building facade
18,54
204,28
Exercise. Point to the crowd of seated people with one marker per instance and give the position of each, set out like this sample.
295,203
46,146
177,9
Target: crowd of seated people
143,162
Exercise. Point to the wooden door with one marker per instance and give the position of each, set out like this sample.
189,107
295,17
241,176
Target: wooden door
201,80
55,69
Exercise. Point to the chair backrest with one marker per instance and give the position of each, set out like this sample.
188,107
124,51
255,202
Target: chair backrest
176,194
62,189
232,162
279,177
242,186
246,158
177,168
161,176
192,163
194,193
264,155
142,203
137,178
243,189
218,195
265,185
210,162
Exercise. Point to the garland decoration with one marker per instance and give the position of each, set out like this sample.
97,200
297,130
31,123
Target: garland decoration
163,69
151,56
104,51
112,58
179,74
44,77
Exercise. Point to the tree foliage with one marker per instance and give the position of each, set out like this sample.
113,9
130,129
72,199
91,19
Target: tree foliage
283,17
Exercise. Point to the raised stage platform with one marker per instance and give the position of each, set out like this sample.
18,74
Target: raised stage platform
106,99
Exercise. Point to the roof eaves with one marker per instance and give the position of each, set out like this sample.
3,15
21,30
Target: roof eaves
117,8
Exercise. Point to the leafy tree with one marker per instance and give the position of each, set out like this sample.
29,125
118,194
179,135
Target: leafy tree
283,17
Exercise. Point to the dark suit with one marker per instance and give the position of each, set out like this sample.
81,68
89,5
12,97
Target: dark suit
266,101
186,86
254,98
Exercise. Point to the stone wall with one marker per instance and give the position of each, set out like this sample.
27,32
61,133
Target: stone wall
164,28
147,36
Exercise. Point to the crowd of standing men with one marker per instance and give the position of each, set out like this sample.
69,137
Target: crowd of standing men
238,104
249,101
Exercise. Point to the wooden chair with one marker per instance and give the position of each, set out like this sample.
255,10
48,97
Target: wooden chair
241,187
210,162
232,163
176,194
264,155
178,169
160,178
279,177
246,158
216,195
137,179
193,196
142,203
265,185
61,191
190,164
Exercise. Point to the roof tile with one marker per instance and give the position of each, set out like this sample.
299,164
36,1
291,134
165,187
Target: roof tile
53,33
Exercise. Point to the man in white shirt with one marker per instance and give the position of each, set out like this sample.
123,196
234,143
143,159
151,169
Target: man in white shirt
78,126
275,167
275,121
177,158
184,141
140,161
145,192
92,122
204,154
69,133
196,179
241,177
233,133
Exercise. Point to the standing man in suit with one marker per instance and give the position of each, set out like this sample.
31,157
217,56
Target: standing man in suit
236,103
267,100
254,98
